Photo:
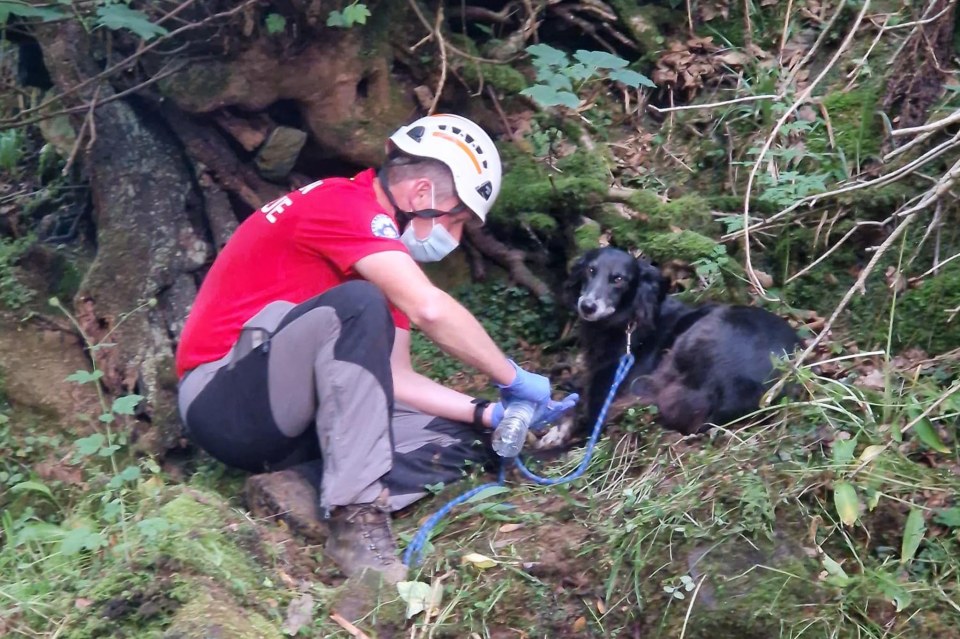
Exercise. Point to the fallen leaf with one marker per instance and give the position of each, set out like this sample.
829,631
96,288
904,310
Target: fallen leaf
418,595
509,528
82,603
870,453
601,607
847,503
299,614
580,624
479,561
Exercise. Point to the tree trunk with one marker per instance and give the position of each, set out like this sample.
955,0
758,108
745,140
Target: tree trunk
150,234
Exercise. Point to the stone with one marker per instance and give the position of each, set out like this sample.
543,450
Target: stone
279,153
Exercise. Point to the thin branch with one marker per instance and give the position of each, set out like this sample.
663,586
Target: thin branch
769,142
711,105
931,126
441,42
831,250
930,197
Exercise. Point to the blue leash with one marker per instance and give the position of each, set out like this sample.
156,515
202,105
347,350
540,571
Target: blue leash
415,548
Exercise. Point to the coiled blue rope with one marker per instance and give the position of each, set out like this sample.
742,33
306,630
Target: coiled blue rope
415,548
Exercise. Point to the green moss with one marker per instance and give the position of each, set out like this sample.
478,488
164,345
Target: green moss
688,212
502,77
214,614
644,22
689,246
587,236
646,202
207,547
529,186
540,222
856,126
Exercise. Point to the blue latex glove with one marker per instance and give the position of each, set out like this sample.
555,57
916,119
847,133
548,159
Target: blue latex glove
526,386
553,411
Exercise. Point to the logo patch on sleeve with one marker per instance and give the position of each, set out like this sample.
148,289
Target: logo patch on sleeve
382,226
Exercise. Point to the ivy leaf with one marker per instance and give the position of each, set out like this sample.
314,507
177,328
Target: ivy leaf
276,23
130,473
631,78
912,535
23,10
120,16
545,54
600,59
560,82
125,405
847,503
579,71
356,13
89,445
335,19
547,96
84,377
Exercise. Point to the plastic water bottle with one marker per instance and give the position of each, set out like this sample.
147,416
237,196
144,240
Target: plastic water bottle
510,435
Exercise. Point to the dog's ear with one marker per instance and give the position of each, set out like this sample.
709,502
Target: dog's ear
574,281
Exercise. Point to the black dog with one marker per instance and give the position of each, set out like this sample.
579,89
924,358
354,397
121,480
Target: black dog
698,365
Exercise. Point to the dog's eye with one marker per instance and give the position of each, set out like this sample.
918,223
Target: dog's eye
617,279
591,271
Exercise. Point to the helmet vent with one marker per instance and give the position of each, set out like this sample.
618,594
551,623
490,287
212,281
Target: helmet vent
416,133
485,190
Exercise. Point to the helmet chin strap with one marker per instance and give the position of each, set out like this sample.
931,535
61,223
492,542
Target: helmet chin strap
404,217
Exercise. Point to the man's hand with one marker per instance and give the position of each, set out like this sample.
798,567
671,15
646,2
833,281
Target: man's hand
526,386
553,411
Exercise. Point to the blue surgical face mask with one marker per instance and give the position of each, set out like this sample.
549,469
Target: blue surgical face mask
433,248
437,245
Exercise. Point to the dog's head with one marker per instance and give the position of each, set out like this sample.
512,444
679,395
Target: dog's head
611,286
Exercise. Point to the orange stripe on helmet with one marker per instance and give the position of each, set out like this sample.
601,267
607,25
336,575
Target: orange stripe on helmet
463,145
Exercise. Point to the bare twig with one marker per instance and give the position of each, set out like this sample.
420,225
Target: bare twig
816,46
751,274
441,43
831,250
786,28
503,116
931,126
909,215
341,621
711,105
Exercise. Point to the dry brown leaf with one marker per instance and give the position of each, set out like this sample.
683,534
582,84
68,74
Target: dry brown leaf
873,380
601,607
509,528
580,624
766,281
82,603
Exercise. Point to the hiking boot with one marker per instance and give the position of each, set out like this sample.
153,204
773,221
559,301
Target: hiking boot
361,539
289,497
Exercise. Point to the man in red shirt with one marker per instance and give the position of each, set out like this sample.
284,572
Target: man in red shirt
296,353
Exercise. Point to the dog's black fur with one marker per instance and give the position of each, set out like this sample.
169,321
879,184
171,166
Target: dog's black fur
698,364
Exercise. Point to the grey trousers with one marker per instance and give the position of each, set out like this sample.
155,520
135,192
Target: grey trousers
310,384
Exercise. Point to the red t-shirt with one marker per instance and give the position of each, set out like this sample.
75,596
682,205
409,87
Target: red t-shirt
292,249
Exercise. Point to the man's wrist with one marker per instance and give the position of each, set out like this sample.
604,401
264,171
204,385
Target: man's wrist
481,413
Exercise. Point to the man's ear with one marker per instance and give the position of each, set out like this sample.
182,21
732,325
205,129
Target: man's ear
574,281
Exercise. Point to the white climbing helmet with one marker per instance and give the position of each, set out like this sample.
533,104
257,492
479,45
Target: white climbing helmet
464,147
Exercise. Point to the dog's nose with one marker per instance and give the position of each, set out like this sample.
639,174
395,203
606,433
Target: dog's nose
588,307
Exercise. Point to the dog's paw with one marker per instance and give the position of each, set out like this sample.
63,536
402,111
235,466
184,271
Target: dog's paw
557,435
552,438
